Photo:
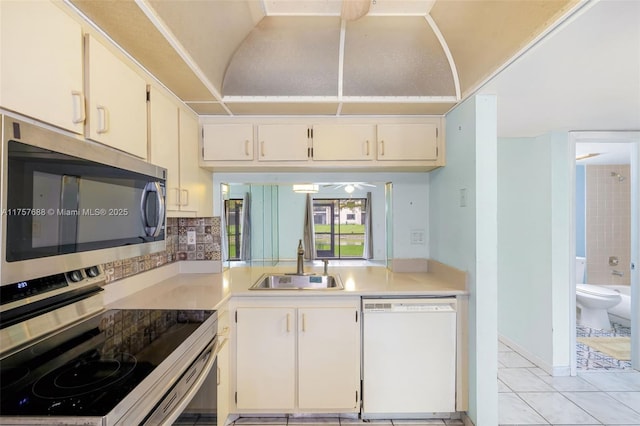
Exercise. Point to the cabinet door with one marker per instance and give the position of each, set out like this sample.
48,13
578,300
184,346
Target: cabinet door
163,120
407,142
41,67
228,142
339,142
117,101
328,358
196,184
283,142
266,358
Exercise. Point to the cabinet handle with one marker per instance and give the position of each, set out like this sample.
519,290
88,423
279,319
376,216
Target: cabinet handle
78,107
382,147
367,142
262,148
177,196
218,376
103,119
288,323
304,323
246,147
186,192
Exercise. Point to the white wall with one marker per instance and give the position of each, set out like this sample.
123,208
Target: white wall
534,245
466,238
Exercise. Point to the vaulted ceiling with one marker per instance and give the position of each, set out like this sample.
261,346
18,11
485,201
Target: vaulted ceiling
269,57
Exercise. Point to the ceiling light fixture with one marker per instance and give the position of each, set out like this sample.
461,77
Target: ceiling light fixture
349,189
585,156
306,188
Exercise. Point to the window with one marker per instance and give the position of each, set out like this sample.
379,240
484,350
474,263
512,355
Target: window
233,212
339,228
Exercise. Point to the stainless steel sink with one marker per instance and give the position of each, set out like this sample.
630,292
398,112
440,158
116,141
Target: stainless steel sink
298,282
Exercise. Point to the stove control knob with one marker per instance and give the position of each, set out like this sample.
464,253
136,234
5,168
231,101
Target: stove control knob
75,276
92,272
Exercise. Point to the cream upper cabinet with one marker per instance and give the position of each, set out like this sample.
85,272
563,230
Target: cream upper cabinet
265,359
41,66
196,184
283,142
340,142
117,99
407,142
173,142
298,356
328,359
228,142
163,138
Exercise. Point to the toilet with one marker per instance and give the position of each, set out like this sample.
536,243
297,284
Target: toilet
593,300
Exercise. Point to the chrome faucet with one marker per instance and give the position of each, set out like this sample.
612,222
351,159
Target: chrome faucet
617,273
300,265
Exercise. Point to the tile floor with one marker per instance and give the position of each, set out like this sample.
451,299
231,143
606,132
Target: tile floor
529,396
588,358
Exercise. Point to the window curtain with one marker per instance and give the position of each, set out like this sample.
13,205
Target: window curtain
367,253
309,236
224,232
245,242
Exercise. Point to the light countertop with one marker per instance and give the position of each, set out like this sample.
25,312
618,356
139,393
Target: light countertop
168,288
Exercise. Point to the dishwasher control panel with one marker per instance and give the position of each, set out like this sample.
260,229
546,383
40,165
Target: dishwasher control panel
409,305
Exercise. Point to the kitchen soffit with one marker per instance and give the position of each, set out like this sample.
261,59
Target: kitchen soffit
270,57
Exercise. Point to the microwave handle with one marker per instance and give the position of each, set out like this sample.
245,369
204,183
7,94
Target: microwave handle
152,230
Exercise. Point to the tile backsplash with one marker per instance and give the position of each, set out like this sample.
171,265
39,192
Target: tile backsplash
205,247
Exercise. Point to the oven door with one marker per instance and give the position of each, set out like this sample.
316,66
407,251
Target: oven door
180,395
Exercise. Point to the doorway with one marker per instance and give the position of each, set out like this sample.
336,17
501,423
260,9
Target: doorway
606,236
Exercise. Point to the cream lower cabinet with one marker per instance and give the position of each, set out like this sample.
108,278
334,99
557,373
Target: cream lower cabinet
298,357
41,66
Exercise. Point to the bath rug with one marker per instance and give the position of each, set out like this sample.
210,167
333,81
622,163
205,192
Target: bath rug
616,347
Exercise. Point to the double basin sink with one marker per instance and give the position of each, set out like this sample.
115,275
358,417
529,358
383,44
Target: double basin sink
298,282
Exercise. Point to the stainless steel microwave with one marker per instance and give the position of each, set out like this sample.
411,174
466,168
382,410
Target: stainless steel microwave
69,204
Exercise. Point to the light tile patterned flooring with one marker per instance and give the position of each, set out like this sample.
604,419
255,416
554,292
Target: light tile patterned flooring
591,359
529,396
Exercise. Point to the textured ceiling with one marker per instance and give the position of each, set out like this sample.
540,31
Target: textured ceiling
271,57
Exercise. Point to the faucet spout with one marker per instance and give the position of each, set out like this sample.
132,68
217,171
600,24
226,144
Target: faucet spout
300,263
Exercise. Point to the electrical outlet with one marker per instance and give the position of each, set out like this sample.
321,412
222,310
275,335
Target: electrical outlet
191,237
463,197
417,236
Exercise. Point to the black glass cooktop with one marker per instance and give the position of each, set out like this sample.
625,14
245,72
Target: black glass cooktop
88,369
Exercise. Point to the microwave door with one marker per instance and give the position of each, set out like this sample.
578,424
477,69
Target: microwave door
68,225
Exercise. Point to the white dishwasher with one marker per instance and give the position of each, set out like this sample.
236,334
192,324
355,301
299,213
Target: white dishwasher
408,357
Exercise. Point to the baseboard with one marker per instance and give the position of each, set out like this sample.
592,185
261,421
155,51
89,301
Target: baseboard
467,420
549,369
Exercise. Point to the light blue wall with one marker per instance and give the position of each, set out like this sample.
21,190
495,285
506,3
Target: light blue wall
581,213
533,248
524,245
466,238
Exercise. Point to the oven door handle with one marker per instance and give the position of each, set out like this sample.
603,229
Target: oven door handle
195,387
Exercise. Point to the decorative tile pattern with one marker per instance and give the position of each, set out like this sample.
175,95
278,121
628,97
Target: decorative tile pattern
591,359
207,247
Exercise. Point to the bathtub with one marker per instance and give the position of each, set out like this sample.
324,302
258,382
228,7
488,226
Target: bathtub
621,313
